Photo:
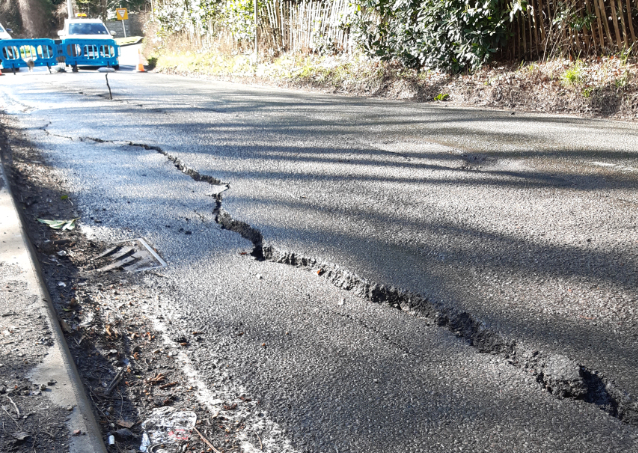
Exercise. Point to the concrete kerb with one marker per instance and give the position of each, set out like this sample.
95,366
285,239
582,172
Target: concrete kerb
58,364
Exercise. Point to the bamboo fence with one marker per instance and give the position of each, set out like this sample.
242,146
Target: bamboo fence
283,26
305,25
575,27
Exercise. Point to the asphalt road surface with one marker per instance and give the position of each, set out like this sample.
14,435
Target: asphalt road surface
501,250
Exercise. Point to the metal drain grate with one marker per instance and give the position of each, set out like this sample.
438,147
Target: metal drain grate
132,255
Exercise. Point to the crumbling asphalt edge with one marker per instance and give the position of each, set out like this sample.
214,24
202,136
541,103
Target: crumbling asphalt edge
89,438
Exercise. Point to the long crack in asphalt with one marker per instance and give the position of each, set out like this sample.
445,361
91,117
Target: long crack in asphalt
558,374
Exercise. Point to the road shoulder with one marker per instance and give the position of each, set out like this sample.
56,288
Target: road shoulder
42,390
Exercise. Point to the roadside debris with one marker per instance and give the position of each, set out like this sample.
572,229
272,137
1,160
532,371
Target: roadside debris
60,224
21,436
127,370
125,423
166,425
114,383
207,442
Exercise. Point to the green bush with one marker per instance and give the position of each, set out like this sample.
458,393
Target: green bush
453,35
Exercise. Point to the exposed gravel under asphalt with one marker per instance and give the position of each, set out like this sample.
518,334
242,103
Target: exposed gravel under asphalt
526,222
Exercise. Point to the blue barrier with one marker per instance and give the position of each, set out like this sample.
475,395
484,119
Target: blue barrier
18,53
90,52
15,53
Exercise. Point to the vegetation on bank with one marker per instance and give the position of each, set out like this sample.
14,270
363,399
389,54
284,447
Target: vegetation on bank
452,35
604,86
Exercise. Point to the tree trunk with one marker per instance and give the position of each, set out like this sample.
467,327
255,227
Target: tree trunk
33,18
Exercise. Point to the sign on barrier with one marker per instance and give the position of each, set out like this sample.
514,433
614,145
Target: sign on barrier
21,53
90,52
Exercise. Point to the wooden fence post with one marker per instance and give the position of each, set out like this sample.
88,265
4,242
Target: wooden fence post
603,12
622,24
631,23
614,17
599,28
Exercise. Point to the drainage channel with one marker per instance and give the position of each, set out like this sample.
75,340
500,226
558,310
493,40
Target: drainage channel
559,375
134,255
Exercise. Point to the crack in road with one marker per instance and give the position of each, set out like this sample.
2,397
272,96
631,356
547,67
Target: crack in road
559,375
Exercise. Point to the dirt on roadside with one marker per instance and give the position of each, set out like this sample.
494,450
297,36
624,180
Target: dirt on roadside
29,421
127,370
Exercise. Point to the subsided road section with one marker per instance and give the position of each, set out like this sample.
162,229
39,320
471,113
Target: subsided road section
525,223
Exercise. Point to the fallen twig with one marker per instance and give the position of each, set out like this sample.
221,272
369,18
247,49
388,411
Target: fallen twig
157,379
116,380
165,386
206,441
14,405
11,417
91,395
261,445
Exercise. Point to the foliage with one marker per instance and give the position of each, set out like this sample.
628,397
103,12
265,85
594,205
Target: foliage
185,15
446,34
622,81
572,76
238,17
570,16
441,97
209,16
152,62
